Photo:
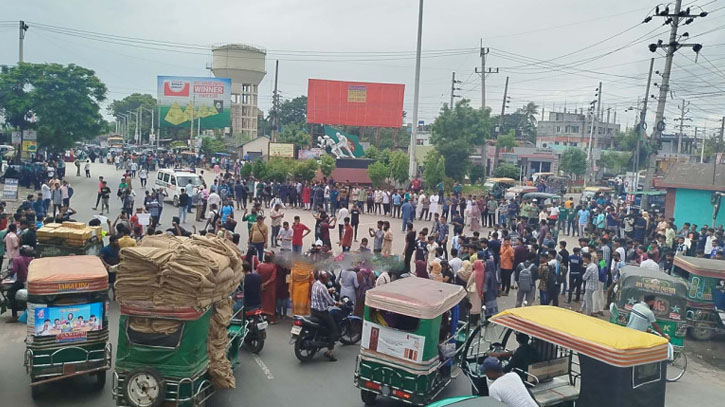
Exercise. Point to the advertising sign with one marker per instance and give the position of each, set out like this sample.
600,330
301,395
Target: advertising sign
15,137
631,181
394,343
70,323
313,153
355,103
353,141
286,150
30,135
11,189
30,146
183,98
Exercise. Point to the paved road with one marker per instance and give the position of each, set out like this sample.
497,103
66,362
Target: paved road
274,378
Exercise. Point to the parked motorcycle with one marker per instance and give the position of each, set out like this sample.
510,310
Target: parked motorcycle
21,297
309,337
257,330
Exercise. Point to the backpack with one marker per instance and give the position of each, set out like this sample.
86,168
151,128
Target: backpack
526,280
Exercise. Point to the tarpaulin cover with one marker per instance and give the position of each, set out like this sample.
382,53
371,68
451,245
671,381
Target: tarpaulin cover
415,297
609,343
66,274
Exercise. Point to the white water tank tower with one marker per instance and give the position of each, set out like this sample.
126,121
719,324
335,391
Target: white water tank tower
245,65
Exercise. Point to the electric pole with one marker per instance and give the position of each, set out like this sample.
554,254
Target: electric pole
275,104
642,116
22,28
589,176
682,119
454,82
672,19
412,164
719,141
500,125
483,72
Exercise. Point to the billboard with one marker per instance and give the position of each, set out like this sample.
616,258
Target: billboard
355,103
68,323
286,150
182,98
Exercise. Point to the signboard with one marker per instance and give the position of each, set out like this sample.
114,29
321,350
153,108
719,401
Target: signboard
282,150
30,135
10,191
391,342
631,181
313,153
69,323
16,137
30,146
353,141
183,98
355,103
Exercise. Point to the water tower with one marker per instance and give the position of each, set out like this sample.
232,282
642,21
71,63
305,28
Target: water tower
245,65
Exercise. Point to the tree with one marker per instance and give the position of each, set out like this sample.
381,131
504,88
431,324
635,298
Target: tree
377,172
507,141
293,111
573,161
278,168
246,170
399,166
455,131
327,165
507,170
294,133
475,173
259,169
372,153
212,145
615,161
434,168
132,103
62,103
305,170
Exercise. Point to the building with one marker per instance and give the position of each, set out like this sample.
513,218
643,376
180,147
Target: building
245,65
563,130
255,149
690,188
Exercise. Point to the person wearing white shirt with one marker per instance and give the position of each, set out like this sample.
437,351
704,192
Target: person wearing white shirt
341,215
507,388
284,237
45,190
455,262
214,199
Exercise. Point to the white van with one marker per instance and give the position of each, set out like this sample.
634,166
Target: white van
171,181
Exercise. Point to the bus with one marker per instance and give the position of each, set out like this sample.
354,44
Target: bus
115,141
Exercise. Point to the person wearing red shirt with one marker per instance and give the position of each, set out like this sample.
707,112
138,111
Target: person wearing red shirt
299,231
347,233
99,194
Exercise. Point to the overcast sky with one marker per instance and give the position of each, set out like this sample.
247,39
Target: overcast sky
579,42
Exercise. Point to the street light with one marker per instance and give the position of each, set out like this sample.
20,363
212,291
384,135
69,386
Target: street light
152,120
135,132
124,117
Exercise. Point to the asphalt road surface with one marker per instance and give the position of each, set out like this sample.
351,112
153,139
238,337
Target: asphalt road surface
275,377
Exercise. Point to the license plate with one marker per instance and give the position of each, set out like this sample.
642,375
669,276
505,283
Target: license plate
262,325
296,330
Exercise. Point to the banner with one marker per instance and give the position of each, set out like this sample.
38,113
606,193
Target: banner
10,191
353,141
313,153
30,146
391,342
286,150
183,98
355,103
69,323
15,137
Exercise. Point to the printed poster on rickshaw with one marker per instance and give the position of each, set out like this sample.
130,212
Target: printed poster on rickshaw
70,323
392,342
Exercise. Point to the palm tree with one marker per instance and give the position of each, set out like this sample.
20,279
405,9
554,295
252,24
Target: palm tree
528,119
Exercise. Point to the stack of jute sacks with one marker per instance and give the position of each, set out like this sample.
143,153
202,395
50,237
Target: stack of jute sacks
199,271
68,233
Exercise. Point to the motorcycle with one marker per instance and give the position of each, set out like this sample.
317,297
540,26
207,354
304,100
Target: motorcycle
257,324
21,297
309,337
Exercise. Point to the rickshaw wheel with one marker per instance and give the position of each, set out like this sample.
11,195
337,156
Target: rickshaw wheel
677,366
100,379
303,354
351,332
144,388
368,397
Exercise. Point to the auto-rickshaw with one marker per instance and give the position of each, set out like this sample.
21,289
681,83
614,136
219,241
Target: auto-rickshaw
514,192
670,307
498,186
705,275
409,340
580,360
162,355
67,324
590,193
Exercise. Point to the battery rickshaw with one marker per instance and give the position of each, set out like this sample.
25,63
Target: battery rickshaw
580,360
409,340
705,276
67,324
670,308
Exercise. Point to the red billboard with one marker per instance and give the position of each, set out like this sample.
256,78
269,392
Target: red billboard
355,103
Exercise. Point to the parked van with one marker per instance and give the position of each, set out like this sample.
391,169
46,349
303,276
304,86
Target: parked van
171,181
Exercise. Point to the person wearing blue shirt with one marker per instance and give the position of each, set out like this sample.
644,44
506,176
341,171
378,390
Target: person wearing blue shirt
227,209
407,213
39,207
397,200
334,193
583,216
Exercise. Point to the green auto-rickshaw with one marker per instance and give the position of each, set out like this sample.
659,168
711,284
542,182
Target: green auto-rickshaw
67,333
705,276
162,355
670,308
408,346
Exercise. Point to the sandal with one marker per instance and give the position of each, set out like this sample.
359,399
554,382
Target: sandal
330,356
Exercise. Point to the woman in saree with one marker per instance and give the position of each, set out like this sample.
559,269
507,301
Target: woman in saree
301,279
475,217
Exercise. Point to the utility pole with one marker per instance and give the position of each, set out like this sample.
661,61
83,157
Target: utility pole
642,116
22,28
275,104
682,126
483,72
719,141
454,82
589,176
500,125
671,46
412,165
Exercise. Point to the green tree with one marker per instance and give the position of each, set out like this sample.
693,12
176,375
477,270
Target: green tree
434,168
378,172
294,133
259,169
615,161
131,103
507,141
327,164
455,131
278,168
62,103
372,153
399,162
507,170
305,170
573,161
212,145
475,173
293,111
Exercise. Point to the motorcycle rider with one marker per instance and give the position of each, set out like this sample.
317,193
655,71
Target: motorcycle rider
321,300
19,269
252,288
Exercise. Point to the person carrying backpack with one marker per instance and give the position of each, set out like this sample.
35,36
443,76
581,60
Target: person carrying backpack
526,276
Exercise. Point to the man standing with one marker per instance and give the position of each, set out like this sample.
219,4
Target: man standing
507,265
346,241
98,193
183,202
377,236
583,217
407,213
259,236
591,283
276,216
285,236
442,235
299,231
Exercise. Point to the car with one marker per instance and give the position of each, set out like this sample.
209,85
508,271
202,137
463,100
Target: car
171,181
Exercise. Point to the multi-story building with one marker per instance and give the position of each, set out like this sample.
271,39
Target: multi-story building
563,130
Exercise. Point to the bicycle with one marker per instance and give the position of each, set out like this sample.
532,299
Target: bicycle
677,365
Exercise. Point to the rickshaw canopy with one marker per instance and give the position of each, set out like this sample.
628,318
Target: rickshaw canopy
701,267
66,275
598,189
608,343
655,282
541,195
415,297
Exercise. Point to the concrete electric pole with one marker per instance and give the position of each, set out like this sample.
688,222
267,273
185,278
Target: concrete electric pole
483,72
22,28
412,167
500,127
682,119
643,115
454,82
275,104
589,176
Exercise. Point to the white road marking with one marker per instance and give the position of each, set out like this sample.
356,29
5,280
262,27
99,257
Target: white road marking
264,367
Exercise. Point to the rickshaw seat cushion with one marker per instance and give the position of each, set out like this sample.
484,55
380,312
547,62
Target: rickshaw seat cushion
547,370
555,392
